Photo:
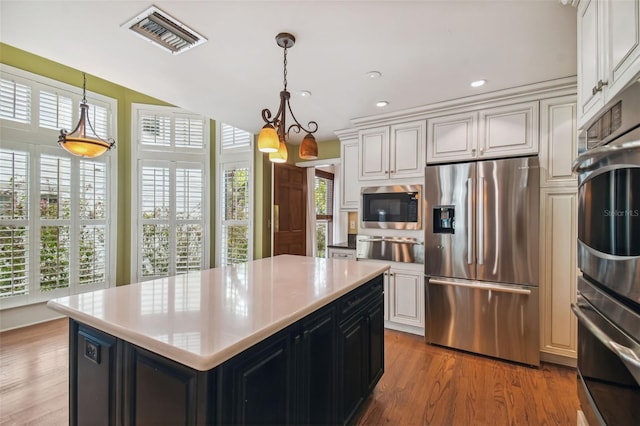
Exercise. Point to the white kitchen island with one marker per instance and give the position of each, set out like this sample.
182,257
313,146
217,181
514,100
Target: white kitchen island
285,340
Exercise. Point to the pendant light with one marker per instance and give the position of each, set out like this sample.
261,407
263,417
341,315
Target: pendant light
275,132
83,141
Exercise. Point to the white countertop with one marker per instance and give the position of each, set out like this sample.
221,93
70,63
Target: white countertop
203,318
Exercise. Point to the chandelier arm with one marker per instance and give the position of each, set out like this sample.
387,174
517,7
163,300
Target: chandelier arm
312,125
109,141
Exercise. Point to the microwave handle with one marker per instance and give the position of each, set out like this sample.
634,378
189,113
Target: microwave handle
628,356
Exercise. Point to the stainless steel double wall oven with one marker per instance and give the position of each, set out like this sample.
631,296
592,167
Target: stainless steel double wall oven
608,303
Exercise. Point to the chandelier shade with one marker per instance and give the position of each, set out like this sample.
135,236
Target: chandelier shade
308,148
268,139
79,142
281,155
275,132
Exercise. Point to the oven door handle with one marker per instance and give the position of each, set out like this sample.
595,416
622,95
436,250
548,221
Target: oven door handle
628,356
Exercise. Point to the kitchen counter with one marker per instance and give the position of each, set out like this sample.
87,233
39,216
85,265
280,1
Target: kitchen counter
202,319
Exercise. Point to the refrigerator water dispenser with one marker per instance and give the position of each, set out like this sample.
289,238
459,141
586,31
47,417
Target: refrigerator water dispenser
444,219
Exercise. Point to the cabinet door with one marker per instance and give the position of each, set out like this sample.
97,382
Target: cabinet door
257,384
558,141
353,367
452,137
590,66
406,301
373,153
350,190
558,270
317,372
509,130
375,345
92,376
161,391
622,26
406,150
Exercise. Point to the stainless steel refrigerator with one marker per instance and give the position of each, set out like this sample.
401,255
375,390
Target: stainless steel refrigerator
481,257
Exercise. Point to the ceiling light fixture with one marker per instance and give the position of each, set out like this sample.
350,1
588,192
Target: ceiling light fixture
382,104
374,74
78,142
478,83
275,132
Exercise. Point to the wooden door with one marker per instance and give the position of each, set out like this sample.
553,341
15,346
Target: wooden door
289,215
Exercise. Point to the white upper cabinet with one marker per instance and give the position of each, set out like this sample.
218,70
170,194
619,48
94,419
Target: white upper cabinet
558,141
392,152
508,130
608,52
349,188
502,131
452,137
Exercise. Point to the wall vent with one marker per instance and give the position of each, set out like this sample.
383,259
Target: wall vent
165,31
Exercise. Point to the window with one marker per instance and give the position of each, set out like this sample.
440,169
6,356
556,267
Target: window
324,211
235,183
57,211
170,200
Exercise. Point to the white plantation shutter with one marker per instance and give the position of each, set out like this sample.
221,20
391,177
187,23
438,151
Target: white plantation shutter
14,224
56,111
234,139
189,132
172,194
235,199
15,101
56,214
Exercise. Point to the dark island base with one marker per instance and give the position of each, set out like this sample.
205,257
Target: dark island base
318,370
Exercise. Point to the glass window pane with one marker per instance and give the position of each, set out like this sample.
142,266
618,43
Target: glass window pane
14,260
155,250
188,248
14,184
189,192
93,250
56,111
155,130
155,193
54,257
236,194
235,244
189,132
55,187
93,190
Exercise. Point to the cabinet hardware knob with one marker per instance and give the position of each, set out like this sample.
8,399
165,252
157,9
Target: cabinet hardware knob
481,151
598,88
473,151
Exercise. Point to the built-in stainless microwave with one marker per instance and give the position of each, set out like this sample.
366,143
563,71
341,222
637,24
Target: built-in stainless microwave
392,207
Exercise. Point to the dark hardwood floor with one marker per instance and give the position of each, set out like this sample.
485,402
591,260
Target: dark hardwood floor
422,385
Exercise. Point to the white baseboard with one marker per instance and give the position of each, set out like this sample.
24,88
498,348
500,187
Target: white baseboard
23,316
403,327
558,359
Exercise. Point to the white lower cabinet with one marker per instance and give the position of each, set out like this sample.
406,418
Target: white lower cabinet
404,297
558,272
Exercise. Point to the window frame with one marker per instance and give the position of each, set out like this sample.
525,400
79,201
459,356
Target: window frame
37,141
233,157
171,157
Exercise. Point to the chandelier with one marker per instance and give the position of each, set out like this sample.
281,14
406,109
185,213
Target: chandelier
275,132
78,142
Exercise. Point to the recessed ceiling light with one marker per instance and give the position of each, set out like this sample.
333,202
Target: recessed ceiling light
478,83
382,104
304,93
374,74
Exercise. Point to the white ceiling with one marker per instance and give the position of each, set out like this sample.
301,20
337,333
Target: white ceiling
427,51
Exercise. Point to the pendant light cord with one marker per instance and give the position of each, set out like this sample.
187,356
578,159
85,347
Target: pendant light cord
285,68
84,88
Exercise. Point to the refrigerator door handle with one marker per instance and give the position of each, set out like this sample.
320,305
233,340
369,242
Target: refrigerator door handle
483,286
481,221
469,221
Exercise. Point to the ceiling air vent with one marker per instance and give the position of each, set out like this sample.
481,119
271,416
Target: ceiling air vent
164,31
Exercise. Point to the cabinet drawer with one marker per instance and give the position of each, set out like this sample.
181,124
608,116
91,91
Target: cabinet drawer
355,301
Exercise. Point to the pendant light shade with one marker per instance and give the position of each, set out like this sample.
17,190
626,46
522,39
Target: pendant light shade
83,141
268,139
281,155
308,148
